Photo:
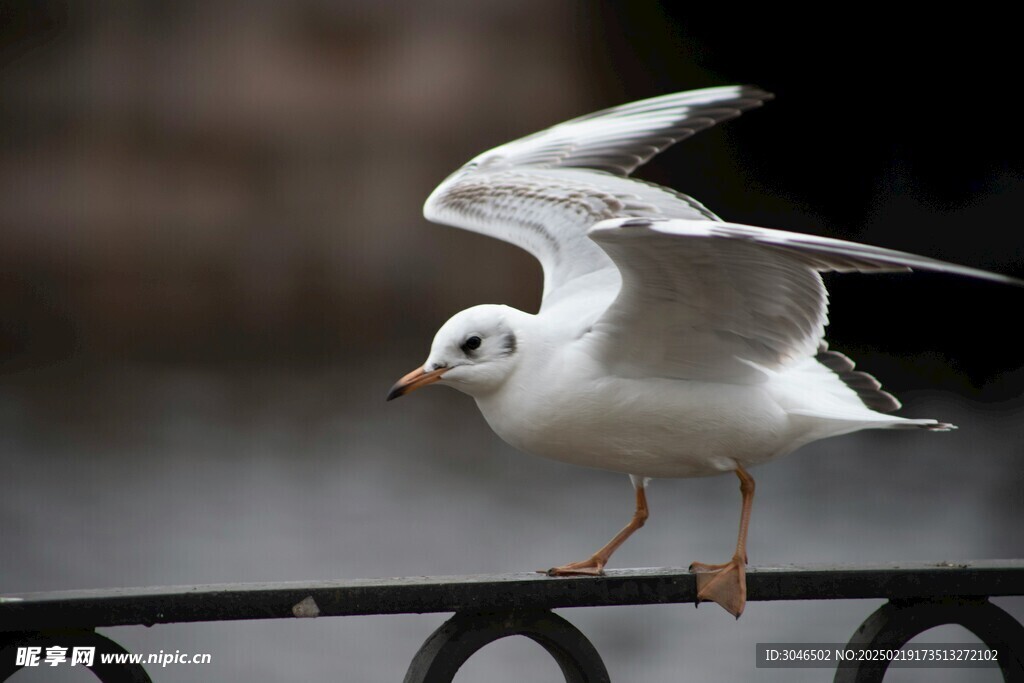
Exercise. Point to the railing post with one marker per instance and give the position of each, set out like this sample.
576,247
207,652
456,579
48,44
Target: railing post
448,648
895,623
496,606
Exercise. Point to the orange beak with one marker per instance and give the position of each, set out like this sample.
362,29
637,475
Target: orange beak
414,380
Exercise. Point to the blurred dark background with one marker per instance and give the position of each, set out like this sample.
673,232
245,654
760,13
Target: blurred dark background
213,264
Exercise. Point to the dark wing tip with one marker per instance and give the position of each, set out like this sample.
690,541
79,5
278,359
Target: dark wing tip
868,389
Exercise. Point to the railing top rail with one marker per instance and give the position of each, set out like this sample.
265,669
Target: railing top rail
227,602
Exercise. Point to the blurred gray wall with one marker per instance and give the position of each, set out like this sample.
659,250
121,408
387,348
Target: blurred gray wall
221,181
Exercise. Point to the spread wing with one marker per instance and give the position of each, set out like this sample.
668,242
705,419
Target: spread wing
717,301
543,192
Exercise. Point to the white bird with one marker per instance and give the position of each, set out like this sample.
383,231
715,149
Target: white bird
668,343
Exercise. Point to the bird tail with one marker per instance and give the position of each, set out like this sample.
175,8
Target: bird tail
930,425
849,399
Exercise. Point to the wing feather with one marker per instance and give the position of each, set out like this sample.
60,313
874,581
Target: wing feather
543,192
717,301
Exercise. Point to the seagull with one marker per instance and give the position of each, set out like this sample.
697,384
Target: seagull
668,343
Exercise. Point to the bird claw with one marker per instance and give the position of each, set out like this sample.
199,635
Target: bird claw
725,584
591,567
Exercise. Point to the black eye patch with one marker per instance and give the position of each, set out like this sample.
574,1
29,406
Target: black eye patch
471,344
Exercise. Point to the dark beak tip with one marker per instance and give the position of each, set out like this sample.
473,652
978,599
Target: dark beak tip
415,379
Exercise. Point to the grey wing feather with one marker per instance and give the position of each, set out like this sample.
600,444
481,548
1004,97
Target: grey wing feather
543,192
724,302
621,139
868,389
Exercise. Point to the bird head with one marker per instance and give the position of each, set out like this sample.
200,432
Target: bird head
474,352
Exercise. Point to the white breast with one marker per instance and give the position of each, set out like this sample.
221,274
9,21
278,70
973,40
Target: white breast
568,410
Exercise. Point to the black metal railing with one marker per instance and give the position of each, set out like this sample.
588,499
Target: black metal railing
487,608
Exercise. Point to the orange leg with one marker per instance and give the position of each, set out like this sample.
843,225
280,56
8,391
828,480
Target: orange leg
726,583
594,566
